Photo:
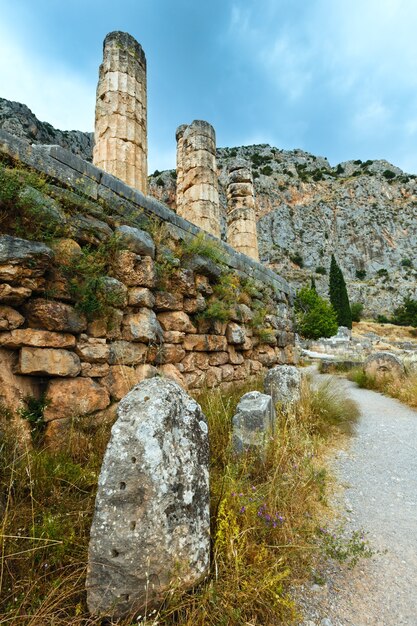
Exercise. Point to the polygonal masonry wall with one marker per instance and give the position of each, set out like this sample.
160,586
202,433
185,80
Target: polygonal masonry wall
121,111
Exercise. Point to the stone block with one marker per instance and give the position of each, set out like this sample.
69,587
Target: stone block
134,270
93,350
142,326
36,338
71,397
166,301
170,353
173,336
205,343
283,383
141,297
136,240
10,319
235,334
48,362
94,370
383,364
13,295
219,358
20,259
176,320
170,371
253,422
121,378
127,353
152,507
54,316
195,305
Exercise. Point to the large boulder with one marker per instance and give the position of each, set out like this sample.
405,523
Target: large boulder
253,421
151,523
283,383
383,364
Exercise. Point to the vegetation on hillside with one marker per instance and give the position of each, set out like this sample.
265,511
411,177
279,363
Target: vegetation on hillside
315,316
264,518
338,295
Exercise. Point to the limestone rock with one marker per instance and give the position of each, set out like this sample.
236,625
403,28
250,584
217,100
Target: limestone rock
112,291
235,334
20,259
134,270
36,338
142,326
170,353
54,316
170,371
48,362
94,370
205,343
89,230
382,364
151,523
127,353
71,397
48,211
136,240
65,250
13,295
92,350
141,297
166,301
176,320
121,378
253,421
283,383
10,318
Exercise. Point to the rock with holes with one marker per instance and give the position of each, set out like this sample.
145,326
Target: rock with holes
253,420
383,364
283,382
150,530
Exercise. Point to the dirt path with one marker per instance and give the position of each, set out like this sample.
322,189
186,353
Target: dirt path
379,473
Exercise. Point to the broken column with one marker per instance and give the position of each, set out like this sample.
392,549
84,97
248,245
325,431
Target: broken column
121,145
197,183
241,218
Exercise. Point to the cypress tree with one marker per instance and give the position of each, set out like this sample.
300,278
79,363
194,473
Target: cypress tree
339,296
313,284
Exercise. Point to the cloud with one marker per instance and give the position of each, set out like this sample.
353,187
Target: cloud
51,90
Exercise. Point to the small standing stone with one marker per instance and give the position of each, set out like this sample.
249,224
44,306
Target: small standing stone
151,524
253,420
283,382
383,364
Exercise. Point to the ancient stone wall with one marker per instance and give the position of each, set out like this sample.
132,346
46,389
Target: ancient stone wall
154,309
197,183
241,217
121,111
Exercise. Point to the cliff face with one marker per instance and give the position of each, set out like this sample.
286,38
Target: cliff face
364,213
19,120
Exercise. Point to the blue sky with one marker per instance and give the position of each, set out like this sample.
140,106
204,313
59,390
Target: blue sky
335,78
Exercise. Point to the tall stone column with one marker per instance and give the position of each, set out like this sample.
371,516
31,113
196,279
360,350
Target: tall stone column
241,218
121,144
197,183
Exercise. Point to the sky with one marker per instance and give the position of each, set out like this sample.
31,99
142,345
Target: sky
334,78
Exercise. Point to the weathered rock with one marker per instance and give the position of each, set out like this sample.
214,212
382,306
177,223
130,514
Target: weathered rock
121,143
134,270
151,524
92,349
141,296
184,282
283,383
236,358
48,362
177,320
173,336
121,378
205,266
54,316
71,397
95,370
127,353
65,250
13,295
88,230
166,301
253,422
136,240
108,326
9,318
235,334
20,259
112,291
170,371
170,353
142,326
383,364
36,338
45,210
205,343
195,305
219,358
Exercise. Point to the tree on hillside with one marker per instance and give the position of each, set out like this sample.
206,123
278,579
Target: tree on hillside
338,295
315,316
406,314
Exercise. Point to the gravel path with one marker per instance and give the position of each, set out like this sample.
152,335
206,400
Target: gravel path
379,473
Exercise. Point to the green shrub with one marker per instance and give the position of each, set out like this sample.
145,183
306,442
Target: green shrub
406,314
321,270
203,245
357,310
340,169
267,170
406,263
388,174
382,272
160,182
382,319
360,274
297,259
315,316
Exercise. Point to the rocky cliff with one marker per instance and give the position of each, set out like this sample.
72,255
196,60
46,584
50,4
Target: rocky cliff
363,212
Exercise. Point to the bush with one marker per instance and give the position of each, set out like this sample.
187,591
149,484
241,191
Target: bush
406,263
382,319
388,174
357,310
321,270
267,170
382,272
297,259
406,314
360,274
315,316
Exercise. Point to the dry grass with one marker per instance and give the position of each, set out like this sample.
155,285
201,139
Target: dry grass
264,519
404,388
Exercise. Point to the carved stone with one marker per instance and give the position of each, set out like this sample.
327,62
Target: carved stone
241,218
